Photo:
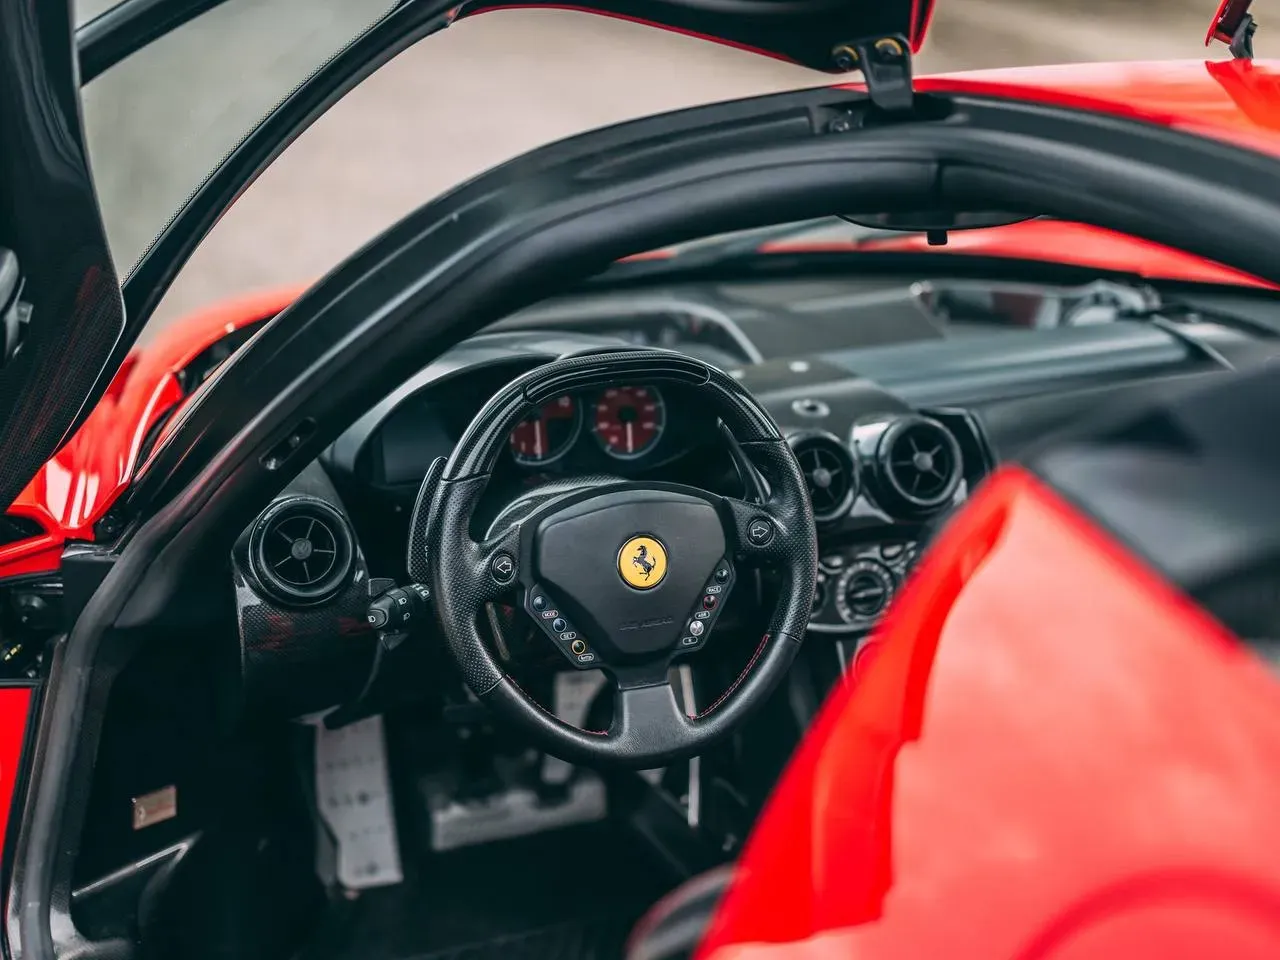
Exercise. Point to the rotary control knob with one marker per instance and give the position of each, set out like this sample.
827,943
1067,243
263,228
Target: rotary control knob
864,591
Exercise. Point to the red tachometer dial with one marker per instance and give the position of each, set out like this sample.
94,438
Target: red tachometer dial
629,421
547,434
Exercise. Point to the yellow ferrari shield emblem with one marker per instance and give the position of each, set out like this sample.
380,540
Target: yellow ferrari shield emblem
642,562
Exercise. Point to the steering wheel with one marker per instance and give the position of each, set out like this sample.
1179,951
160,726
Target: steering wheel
622,576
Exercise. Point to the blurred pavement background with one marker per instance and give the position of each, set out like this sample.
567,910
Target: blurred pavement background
463,100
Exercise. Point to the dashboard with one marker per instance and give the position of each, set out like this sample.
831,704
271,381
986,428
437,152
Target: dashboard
893,430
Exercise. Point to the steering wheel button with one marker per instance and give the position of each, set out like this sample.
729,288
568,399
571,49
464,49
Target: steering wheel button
722,574
688,641
550,614
569,635
760,531
709,602
539,603
702,615
579,647
696,627
503,568
715,588
560,625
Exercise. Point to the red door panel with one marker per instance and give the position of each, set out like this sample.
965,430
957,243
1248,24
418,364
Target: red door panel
15,711
1051,754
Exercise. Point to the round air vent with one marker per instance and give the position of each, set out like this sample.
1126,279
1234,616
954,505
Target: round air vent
920,463
301,550
830,473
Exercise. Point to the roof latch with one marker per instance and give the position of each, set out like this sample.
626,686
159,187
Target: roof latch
885,63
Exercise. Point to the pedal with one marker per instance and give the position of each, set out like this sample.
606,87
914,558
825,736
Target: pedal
514,812
353,794
562,797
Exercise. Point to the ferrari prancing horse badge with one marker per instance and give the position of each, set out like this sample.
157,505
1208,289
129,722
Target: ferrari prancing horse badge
642,562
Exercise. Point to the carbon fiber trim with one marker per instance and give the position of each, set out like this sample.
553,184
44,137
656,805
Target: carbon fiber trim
295,661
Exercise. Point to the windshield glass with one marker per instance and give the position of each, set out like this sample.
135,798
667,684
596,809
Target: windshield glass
159,122
86,10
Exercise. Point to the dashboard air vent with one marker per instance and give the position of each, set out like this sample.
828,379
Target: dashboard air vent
920,462
301,550
830,473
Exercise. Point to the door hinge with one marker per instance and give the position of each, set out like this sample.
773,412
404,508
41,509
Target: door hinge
885,63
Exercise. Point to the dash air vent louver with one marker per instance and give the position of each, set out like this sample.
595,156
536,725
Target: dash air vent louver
301,550
920,463
830,473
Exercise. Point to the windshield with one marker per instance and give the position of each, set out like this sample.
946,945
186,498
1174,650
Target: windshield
160,121
86,10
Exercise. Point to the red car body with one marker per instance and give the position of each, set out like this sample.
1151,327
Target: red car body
1012,772
1009,771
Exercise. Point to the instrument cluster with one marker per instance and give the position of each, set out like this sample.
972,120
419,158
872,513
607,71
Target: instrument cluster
622,423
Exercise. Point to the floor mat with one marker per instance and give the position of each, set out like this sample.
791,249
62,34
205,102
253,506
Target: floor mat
571,894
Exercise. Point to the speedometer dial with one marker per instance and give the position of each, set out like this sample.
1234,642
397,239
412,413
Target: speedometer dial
629,421
548,433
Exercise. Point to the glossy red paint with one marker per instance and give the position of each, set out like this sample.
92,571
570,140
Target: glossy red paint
15,711
1049,241
78,485
1052,754
1232,101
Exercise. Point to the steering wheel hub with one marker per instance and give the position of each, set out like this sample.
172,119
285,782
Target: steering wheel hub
630,567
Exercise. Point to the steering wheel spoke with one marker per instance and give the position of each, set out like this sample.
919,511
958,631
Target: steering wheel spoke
647,717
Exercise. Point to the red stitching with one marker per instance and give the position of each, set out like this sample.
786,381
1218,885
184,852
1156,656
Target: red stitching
594,733
764,641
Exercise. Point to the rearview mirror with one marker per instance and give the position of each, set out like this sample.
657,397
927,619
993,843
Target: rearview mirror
935,221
